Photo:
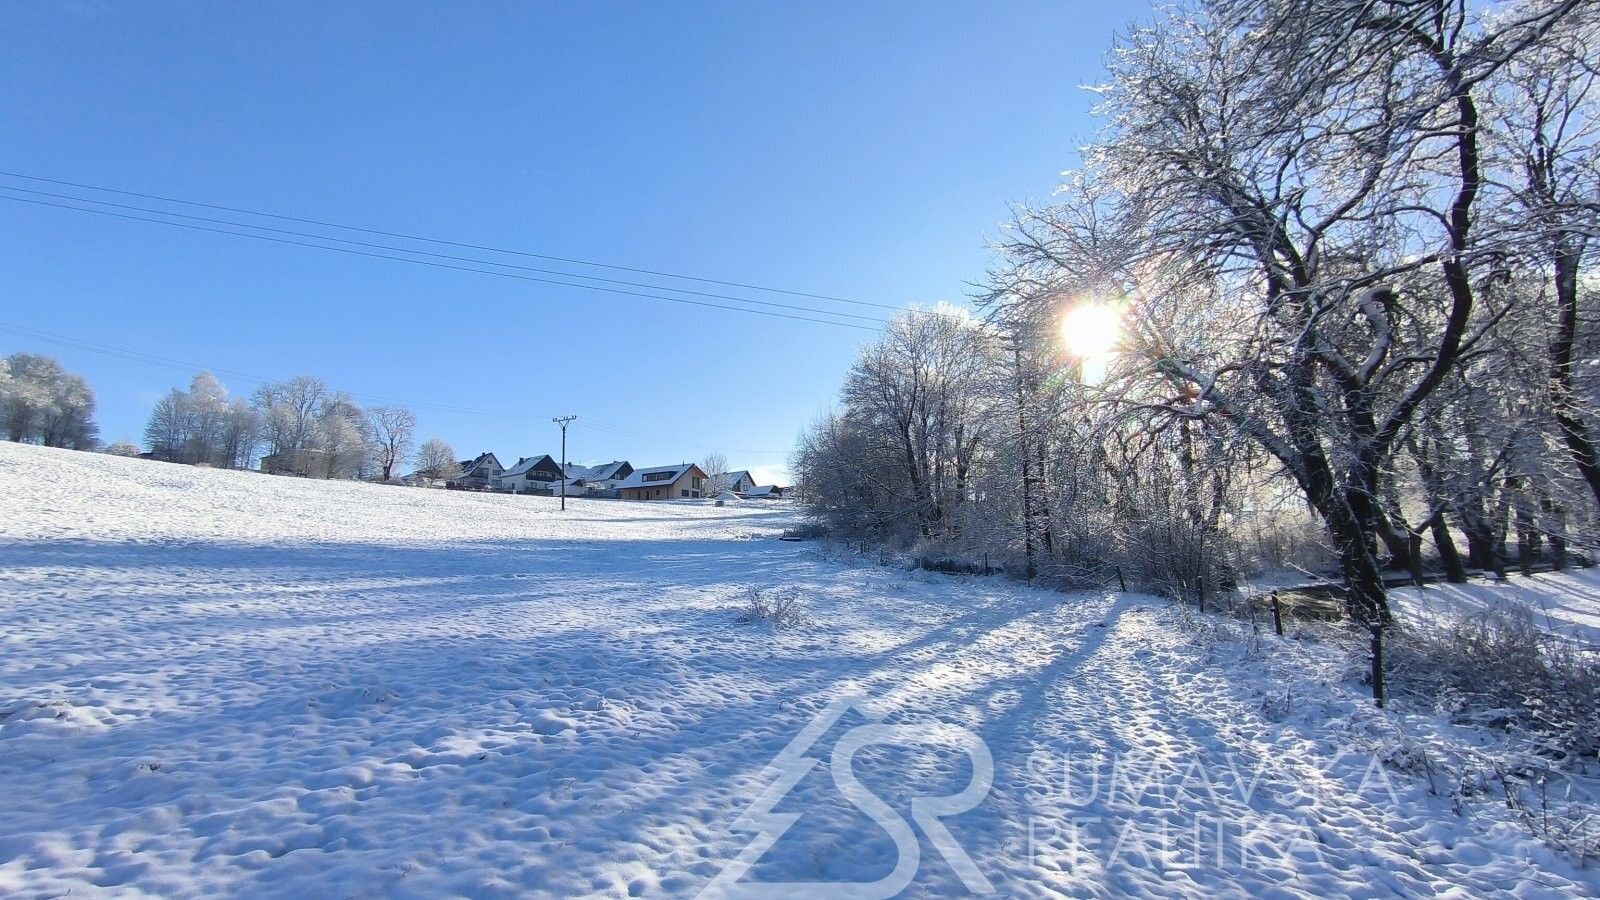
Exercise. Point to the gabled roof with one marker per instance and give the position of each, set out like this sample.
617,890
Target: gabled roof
765,490
602,472
636,480
733,477
467,465
527,463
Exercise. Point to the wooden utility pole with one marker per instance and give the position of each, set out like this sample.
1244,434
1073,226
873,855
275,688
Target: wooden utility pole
562,421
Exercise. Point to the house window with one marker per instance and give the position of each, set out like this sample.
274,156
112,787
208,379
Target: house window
658,476
684,492
694,493
695,483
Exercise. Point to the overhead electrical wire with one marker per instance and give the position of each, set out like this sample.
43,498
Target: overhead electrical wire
410,253
115,352
461,244
458,268
468,259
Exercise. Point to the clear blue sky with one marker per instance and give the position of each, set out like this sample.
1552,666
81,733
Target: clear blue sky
862,150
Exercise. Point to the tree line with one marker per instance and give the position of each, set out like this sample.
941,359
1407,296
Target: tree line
319,432
324,431
1347,247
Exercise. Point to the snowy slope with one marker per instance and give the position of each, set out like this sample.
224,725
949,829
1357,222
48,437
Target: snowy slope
220,683
1567,604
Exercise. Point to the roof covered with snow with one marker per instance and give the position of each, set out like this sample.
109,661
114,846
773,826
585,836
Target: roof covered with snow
524,465
602,472
639,477
467,465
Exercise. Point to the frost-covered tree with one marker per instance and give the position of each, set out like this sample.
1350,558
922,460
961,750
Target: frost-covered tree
341,437
240,435
1544,135
896,463
436,461
42,403
391,429
715,465
1342,251
166,432
290,411
325,430
203,426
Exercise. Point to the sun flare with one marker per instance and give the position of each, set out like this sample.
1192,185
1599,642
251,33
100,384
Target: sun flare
1091,330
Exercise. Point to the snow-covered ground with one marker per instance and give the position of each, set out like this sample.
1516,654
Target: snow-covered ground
1567,604
221,683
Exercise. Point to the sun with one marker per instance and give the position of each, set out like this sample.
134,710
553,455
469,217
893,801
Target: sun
1091,330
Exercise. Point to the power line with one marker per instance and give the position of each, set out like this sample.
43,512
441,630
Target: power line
168,362
187,366
467,259
440,265
448,243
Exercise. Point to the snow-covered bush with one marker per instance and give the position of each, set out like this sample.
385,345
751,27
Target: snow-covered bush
1565,824
1500,669
782,607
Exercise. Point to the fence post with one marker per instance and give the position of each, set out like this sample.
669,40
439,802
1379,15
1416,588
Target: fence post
1277,615
1377,664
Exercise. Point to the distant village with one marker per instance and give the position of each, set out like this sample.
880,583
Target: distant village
544,476
311,431
618,479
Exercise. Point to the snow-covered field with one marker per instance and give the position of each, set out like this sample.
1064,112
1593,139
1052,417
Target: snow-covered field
221,683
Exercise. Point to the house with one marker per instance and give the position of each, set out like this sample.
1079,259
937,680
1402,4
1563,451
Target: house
739,481
765,492
304,463
478,474
684,481
571,487
606,477
531,475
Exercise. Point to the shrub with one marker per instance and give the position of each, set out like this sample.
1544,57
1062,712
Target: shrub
1499,669
782,607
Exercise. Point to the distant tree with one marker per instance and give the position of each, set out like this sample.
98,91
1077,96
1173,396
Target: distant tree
202,426
167,431
42,403
391,430
290,412
208,416
121,448
326,431
341,435
241,434
436,461
715,465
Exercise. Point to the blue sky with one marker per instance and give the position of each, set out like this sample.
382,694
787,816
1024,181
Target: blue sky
856,150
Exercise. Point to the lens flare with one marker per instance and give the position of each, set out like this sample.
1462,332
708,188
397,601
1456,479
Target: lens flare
1091,330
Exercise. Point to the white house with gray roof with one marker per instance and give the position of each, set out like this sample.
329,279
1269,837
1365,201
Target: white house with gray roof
684,481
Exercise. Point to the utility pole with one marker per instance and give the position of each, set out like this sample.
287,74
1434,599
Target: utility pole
562,421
